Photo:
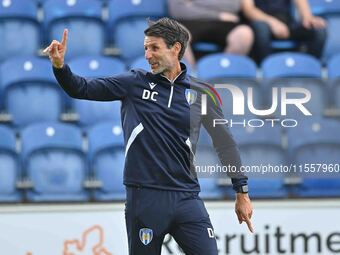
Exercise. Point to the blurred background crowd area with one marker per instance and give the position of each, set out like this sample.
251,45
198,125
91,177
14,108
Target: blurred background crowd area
53,148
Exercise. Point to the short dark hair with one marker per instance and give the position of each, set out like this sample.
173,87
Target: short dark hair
171,31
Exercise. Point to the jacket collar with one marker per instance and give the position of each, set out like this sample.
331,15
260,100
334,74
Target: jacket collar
180,77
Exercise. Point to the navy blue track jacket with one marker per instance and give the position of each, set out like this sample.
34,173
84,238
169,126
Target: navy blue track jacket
160,128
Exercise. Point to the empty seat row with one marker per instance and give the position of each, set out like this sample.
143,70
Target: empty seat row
293,162
295,75
54,162
23,34
53,165
122,25
29,92
9,166
328,9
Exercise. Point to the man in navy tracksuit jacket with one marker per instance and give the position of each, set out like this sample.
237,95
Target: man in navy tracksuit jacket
161,118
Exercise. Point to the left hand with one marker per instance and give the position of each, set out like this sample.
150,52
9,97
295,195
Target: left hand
244,210
313,22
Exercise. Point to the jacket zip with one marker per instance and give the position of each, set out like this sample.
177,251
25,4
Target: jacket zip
171,93
172,87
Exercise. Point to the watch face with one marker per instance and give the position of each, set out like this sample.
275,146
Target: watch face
244,189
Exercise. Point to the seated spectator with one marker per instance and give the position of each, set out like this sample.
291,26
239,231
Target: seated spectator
274,20
213,21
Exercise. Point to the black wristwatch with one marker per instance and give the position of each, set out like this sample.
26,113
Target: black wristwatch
242,189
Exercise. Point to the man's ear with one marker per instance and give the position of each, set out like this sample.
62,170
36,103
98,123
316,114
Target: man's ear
177,47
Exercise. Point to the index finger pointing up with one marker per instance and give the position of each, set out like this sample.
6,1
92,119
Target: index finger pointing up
64,39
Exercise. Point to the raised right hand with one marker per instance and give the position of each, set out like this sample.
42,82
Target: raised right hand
56,51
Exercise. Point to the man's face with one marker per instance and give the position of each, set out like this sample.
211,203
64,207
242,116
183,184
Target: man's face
159,56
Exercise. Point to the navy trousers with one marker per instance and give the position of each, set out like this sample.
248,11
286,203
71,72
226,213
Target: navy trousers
150,214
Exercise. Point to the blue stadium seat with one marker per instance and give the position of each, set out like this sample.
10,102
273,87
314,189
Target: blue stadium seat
1,97
9,167
39,2
295,70
263,147
54,161
106,153
291,64
334,79
330,10
221,65
140,62
332,45
84,21
333,67
91,112
19,28
324,7
286,45
210,190
127,22
206,47
316,142
30,90
239,71
97,66
43,1
205,153
205,157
